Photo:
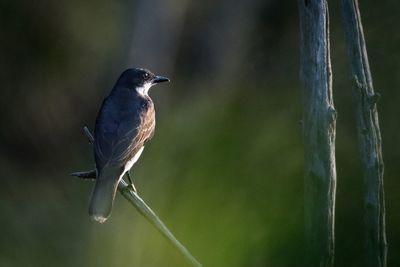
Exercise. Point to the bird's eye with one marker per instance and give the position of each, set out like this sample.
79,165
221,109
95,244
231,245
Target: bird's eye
146,75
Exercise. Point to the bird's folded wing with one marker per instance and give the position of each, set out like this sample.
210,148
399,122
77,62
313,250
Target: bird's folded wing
115,135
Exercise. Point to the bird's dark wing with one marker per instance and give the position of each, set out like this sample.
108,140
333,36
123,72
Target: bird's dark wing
115,131
119,134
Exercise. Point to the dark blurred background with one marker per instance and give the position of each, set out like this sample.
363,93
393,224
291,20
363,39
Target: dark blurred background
224,170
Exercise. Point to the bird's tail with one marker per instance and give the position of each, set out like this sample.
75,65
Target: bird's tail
103,196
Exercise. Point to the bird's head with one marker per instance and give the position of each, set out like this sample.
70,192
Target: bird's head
140,80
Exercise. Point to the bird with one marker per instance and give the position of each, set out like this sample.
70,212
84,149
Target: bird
124,124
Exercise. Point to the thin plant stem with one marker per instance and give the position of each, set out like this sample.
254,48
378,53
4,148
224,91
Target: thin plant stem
142,208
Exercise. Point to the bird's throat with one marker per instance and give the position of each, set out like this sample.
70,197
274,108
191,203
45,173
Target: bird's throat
143,90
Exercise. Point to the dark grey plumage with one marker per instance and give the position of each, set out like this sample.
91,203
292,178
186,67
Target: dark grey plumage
125,122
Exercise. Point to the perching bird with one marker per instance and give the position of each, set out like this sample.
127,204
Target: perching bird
124,124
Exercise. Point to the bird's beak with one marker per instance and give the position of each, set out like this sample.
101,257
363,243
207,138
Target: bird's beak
160,79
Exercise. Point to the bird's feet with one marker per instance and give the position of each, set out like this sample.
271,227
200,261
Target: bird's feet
132,187
130,183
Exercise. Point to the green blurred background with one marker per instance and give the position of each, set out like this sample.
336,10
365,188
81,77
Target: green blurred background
224,170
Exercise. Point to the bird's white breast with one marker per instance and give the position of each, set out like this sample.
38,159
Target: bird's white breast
132,161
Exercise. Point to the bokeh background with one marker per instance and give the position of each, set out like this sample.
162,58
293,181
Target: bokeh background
224,170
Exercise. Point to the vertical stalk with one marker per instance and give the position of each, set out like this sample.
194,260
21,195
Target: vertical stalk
319,124
369,136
